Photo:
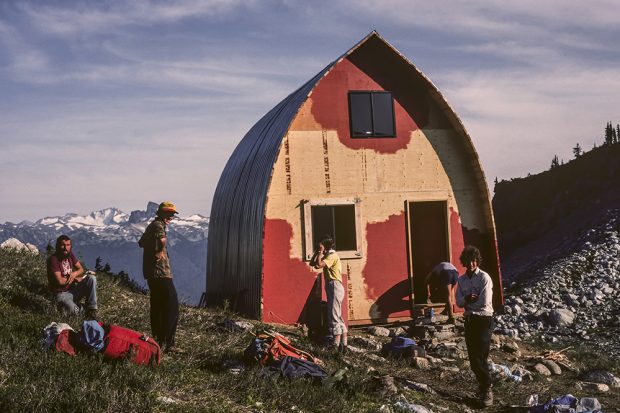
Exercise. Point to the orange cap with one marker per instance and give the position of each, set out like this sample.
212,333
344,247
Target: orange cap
167,206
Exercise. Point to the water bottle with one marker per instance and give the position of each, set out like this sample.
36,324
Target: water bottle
431,313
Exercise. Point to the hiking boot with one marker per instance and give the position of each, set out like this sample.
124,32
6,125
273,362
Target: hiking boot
91,314
173,350
486,398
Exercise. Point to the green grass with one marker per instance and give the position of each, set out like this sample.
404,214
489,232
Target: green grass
34,380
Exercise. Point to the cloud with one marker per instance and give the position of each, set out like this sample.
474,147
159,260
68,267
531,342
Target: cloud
89,17
519,119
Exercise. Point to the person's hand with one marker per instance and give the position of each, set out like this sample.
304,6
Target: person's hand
471,298
321,249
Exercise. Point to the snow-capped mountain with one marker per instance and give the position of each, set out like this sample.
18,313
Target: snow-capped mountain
113,235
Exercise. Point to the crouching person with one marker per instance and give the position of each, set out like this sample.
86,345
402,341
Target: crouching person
66,279
474,292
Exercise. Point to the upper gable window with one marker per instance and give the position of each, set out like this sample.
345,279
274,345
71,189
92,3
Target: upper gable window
371,114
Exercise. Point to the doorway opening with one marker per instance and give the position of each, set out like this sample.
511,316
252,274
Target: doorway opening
429,242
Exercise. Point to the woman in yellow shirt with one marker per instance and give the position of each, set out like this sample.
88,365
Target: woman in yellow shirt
328,260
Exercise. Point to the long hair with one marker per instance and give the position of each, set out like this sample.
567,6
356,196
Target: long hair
59,240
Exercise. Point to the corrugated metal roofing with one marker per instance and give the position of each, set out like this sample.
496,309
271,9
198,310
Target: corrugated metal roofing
234,257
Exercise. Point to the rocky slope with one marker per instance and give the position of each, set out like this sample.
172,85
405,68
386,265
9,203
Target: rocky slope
558,235
113,235
577,296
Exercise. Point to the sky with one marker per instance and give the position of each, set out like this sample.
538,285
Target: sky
117,103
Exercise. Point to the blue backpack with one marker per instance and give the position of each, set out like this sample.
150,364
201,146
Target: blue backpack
398,347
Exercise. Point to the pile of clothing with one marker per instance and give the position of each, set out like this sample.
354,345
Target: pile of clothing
113,341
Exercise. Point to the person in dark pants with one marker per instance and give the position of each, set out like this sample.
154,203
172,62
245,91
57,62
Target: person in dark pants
441,283
474,292
156,270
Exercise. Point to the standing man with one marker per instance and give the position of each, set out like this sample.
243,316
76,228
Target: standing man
441,283
327,259
65,277
474,291
156,270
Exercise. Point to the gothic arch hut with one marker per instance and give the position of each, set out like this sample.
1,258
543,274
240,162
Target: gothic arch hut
369,151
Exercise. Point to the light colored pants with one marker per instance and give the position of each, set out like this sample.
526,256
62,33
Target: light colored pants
335,294
68,300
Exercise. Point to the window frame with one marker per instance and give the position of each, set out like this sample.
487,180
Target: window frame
372,115
307,226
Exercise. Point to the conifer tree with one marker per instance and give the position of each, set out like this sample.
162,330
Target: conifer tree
577,150
49,250
609,134
555,162
98,266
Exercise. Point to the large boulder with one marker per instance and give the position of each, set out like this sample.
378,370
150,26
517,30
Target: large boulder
561,317
602,376
14,243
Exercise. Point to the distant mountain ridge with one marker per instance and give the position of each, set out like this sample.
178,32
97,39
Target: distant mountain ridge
541,217
113,234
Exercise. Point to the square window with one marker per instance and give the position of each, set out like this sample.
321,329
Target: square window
371,114
341,219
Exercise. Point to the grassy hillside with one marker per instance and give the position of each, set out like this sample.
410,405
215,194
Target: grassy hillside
32,380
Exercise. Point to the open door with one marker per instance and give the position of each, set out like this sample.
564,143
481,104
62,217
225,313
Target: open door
428,240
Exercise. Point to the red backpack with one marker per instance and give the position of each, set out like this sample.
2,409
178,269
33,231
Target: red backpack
122,342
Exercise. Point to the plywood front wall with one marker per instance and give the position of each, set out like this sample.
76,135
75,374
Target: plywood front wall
319,160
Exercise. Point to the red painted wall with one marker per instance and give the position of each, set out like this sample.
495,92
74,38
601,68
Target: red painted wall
331,107
288,284
385,273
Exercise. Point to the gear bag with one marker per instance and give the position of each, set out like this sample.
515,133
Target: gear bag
269,347
121,343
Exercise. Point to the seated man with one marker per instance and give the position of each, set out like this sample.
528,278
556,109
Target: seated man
66,279
441,282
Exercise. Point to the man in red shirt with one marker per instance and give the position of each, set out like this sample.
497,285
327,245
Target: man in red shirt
66,279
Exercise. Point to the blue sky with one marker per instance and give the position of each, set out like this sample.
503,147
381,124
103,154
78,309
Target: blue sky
115,103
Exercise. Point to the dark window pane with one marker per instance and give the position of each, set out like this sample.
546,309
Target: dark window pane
361,114
337,221
344,216
322,223
383,114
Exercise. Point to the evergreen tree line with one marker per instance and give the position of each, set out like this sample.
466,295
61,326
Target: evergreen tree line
612,137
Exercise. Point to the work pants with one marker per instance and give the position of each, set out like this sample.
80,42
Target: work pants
164,310
335,295
478,331
68,301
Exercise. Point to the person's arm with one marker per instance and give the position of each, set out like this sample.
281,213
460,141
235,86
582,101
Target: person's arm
449,288
54,268
160,247
60,279
459,296
427,280
78,274
486,292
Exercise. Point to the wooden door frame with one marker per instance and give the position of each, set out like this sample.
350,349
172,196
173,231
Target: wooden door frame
410,246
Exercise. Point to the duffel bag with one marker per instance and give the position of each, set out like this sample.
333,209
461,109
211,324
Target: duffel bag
123,343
